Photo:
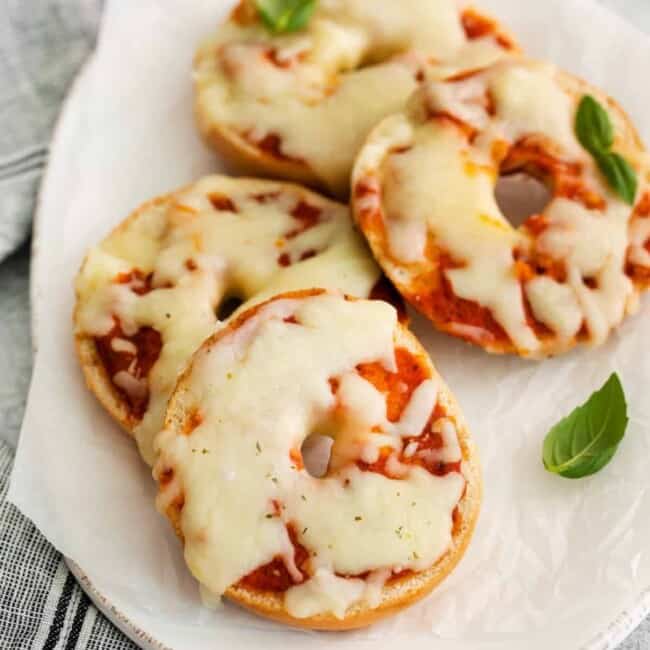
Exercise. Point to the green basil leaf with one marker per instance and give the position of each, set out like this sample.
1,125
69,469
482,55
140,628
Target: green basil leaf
619,174
595,133
282,16
593,127
585,441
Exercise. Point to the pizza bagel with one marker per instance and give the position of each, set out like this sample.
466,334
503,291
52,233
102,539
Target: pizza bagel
298,106
424,196
393,508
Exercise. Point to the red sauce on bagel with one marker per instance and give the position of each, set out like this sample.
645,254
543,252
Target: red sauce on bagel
307,215
148,344
244,13
274,576
271,144
432,441
140,282
477,26
450,309
222,202
397,386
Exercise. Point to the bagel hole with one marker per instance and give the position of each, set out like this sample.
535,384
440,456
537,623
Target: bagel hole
316,452
228,306
520,196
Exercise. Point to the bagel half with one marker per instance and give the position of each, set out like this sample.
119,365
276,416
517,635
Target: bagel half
154,289
568,275
298,106
185,489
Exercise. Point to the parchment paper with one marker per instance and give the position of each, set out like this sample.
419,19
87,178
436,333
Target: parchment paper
552,561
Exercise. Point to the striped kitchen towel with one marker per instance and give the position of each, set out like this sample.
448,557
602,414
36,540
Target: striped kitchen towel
42,45
41,605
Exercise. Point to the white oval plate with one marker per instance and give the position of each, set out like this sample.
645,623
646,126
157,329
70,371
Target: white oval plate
613,619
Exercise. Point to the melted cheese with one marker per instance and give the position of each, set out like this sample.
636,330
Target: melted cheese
450,451
593,245
418,411
555,305
122,345
131,385
337,79
529,100
461,211
262,390
324,592
441,186
232,253
365,409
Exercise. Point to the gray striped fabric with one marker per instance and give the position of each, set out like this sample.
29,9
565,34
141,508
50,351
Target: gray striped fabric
41,605
42,44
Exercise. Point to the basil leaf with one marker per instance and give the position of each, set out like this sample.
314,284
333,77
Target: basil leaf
585,441
619,174
593,127
282,16
595,132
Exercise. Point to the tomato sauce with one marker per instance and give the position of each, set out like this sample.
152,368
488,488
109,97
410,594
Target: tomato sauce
148,343
397,386
477,26
271,144
222,203
308,254
296,458
443,116
274,576
140,282
446,308
427,441
643,207
457,518
307,215
536,224
272,56
193,420
245,13
266,197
